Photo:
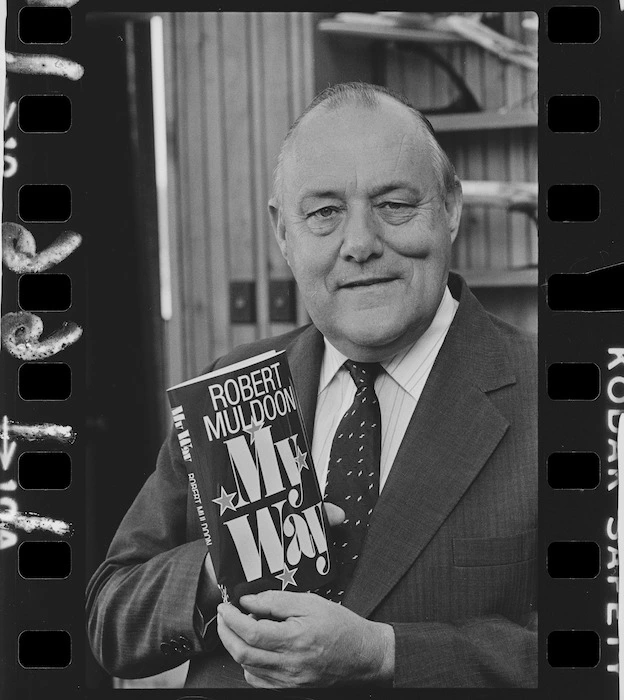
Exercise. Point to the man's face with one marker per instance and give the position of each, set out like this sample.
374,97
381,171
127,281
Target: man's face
365,227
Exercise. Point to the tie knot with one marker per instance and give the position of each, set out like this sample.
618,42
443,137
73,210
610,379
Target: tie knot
363,373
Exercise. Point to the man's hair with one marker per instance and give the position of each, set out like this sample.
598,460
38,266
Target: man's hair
367,96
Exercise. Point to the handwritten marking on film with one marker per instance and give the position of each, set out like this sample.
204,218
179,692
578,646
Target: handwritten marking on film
7,539
10,516
29,522
43,64
20,255
42,431
9,113
52,3
8,448
19,249
10,162
21,332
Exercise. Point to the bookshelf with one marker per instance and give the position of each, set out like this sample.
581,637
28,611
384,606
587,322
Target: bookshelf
523,277
472,121
364,30
484,121
499,194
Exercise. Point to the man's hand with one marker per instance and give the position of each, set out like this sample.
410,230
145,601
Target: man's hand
301,639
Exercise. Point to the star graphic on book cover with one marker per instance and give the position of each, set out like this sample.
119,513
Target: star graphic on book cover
225,501
300,459
287,577
253,428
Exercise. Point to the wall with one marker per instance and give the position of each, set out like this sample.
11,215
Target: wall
236,82
490,237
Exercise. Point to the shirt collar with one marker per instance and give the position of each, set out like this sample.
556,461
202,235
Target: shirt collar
408,365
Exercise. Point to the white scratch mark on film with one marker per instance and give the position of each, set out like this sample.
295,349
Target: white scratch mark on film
14,519
160,154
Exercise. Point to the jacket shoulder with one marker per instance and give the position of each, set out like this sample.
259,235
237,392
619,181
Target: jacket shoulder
521,345
243,352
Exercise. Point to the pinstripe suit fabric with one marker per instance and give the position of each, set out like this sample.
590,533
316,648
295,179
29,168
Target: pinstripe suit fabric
449,559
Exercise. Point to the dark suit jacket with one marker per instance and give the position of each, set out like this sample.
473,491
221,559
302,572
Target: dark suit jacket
449,559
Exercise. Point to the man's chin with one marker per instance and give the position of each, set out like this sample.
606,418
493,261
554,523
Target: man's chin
375,342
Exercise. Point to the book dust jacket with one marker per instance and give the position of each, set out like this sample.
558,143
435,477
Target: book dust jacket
252,478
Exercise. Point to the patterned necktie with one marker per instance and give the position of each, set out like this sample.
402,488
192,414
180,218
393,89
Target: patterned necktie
353,474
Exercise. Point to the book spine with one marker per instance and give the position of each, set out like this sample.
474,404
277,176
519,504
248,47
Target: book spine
186,448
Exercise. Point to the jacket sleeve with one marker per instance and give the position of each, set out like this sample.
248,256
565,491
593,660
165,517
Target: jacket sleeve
488,652
141,602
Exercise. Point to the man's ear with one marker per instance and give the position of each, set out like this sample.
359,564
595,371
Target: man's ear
453,204
279,228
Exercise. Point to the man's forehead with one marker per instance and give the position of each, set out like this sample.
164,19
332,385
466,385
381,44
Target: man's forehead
387,120
329,142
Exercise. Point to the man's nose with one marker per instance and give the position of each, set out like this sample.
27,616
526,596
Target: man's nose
361,236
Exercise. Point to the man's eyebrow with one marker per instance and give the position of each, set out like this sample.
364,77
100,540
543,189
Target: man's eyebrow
320,194
327,193
393,186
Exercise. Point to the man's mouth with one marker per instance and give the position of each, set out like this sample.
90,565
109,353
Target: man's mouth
368,282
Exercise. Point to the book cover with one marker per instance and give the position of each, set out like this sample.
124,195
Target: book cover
252,478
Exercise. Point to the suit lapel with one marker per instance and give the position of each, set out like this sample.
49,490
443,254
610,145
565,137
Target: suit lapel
305,355
454,430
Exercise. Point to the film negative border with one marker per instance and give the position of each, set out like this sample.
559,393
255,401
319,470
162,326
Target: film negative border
579,355
572,608
43,308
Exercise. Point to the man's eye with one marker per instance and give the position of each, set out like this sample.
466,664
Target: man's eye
324,212
394,206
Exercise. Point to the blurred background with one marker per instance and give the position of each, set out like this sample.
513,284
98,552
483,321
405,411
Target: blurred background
186,113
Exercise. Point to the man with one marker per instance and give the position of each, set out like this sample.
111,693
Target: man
365,210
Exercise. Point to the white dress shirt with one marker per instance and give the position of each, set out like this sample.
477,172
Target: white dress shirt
398,389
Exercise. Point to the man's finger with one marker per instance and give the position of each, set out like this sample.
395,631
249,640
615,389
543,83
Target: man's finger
242,652
258,633
257,681
280,605
265,678
335,514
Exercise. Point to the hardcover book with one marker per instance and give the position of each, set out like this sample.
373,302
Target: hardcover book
252,478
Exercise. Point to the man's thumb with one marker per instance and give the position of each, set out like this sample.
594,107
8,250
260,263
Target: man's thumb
335,514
